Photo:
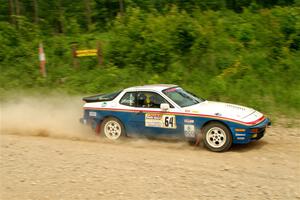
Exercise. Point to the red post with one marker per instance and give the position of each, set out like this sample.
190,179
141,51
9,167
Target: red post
42,59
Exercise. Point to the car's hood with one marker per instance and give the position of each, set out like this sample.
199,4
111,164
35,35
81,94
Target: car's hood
226,110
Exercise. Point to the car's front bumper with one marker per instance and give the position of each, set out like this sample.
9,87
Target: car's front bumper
252,133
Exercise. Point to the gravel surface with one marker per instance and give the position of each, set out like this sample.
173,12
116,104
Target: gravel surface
46,154
63,168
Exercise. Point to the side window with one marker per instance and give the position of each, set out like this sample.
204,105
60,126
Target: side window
149,100
129,99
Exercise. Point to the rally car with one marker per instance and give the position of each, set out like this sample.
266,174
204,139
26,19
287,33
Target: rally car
168,111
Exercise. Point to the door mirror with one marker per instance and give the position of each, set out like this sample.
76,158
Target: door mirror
165,106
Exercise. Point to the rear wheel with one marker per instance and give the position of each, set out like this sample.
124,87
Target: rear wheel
217,137
112,128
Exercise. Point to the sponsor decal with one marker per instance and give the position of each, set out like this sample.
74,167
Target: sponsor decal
160,120
240,130
195,111
93,114
103,104
240,134
187,111
189,121
189,130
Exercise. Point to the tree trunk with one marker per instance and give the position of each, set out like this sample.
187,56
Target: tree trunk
61,18
36,11
12,11
88,14
121,2
17,7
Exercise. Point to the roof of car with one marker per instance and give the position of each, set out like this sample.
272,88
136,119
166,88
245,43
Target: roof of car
158,87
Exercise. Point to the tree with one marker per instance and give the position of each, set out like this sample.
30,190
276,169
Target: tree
36,11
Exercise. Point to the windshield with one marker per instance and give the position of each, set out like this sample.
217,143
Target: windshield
181,97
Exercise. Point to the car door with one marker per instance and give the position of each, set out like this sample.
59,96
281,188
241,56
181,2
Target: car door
149,120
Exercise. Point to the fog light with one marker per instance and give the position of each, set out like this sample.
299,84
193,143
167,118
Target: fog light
254,135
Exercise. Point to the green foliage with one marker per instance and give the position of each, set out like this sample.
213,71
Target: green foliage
248,58
246,55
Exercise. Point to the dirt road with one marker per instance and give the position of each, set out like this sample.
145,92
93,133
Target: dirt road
47,168
46,164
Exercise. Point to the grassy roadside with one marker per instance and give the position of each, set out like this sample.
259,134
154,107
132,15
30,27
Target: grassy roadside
249,58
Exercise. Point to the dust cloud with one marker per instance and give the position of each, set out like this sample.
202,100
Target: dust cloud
48,116
57,116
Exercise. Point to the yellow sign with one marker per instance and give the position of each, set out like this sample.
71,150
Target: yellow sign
87,52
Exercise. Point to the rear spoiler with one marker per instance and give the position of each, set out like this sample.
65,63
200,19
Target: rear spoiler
101,97
95,98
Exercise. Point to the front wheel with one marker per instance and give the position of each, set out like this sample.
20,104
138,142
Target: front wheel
112,128
217,137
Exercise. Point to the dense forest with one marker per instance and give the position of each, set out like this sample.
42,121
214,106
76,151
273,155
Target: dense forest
245,51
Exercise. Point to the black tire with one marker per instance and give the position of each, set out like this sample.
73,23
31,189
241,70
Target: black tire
112,128
217,137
